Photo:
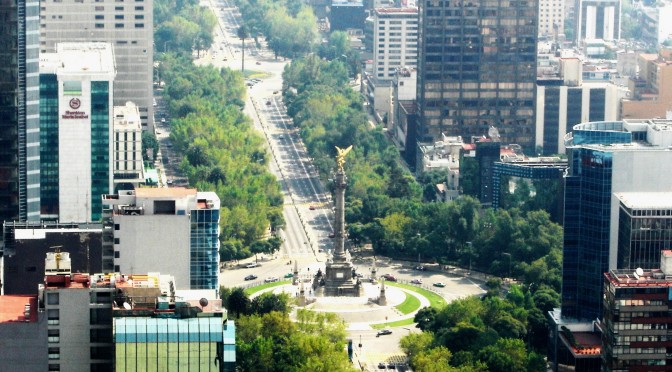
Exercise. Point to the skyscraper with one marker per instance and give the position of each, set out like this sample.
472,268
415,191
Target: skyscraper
76,129
598,19
477,69
607,161
125,24
19,111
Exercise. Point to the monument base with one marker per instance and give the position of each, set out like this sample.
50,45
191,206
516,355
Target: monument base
338,280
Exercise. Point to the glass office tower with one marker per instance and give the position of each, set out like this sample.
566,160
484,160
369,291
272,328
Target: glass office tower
19,111
477,69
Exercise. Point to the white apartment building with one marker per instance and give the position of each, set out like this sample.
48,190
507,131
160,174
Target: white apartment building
395,40
128,165
127,24
598,19
551,17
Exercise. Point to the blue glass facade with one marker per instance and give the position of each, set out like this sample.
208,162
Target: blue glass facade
521,170
100,145
49,145
204,249
166,344
587,223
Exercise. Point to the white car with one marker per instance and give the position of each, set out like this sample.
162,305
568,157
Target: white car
271,279
251,265
416,281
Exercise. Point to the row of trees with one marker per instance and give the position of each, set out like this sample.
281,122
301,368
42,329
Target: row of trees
290,27
183,25
266,338
222,152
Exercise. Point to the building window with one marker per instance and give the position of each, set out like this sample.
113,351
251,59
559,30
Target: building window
53,317
139,25
119,8
118,25
139,16
116,254
54,367
52,298
116,225
118,16
100,16
100,25
139,8
117,268
54,353
31,269
54,336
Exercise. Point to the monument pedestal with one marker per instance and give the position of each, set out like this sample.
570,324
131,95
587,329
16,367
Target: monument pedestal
338,280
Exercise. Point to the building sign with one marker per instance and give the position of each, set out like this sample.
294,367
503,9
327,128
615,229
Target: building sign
75,104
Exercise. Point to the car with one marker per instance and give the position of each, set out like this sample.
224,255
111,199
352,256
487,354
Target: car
389,277
381,365
258,62
312,207
268,103
391,366
271,279
289,275
332,235
282,137
383,332
275,92
251,265
163,120
250,84
439,284
169,182
420,268
251,277
416,281
158,132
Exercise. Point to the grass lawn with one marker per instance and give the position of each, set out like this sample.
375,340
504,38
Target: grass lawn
252,74
398,323
252,290
410,304
434,299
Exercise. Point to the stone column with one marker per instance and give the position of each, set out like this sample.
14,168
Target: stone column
339,223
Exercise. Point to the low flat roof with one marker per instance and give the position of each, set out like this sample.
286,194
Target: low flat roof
164,192
12,309
646,200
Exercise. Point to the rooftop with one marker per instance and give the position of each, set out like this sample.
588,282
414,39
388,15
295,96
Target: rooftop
646,200
127,116
648,278
397,10
585,344
79,59
18,309
164,192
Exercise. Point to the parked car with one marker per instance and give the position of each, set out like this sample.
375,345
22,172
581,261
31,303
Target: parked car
271,279
439,284
420,268
251,265
258,62
389,277
289,275
332,235
312,207
381,365
251,277
416,281
383,332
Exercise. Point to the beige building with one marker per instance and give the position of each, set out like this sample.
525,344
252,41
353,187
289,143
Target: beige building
551,17
128,25
127,164
651,89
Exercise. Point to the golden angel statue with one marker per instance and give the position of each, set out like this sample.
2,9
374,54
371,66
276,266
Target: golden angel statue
340,158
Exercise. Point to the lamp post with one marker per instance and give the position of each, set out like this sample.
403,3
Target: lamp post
470,255
508,255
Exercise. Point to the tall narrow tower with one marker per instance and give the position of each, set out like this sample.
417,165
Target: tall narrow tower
338,276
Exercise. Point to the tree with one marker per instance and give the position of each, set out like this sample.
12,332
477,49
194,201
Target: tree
242,34
433,360
267,302
238,302
150,146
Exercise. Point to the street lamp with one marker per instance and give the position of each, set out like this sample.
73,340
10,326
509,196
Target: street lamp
471,249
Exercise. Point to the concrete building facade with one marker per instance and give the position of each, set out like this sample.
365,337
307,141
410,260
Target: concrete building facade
551,17
128,25
19,111
76,84
651,89
598,19
128,167
142,225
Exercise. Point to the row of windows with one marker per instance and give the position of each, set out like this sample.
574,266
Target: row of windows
100,8
118,16
120,25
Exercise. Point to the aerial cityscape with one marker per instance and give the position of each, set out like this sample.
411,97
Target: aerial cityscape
336,185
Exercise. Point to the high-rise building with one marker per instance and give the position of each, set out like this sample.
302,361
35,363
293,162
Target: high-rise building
19,111
128,25
76,85
568,100
477,69
636,319
598,19
23,334
395,40
551,17
128,166
607,159
143,225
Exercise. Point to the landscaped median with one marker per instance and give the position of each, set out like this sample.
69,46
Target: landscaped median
411,304
252,290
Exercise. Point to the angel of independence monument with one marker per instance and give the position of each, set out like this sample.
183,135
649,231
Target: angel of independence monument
338,279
